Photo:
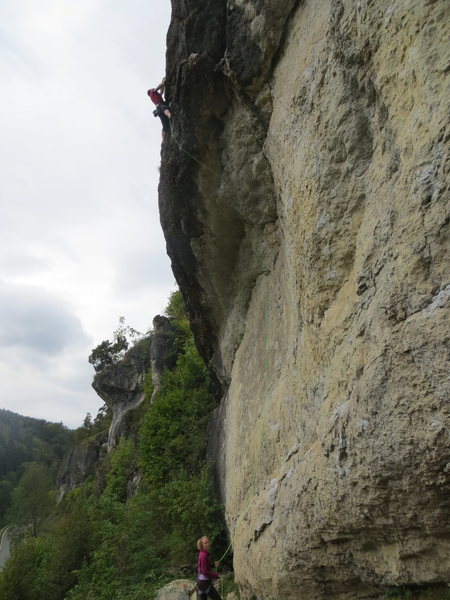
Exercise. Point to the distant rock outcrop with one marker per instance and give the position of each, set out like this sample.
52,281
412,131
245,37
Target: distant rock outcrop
163,350
76,467
121,385
305,203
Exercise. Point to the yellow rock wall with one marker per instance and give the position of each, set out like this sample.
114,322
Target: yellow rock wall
336,420
306,208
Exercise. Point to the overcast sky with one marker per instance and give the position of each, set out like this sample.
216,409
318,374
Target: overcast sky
80,240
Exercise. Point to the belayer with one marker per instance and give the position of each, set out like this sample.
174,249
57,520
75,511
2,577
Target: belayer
162,109
205,574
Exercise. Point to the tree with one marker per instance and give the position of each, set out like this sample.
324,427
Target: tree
107,353
87,423
6,488
32,498
175,307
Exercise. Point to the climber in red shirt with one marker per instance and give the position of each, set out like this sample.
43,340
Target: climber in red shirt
162,109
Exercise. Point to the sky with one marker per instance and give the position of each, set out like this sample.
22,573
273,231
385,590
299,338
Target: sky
80,239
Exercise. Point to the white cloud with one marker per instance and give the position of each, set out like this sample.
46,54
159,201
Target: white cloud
80,241
35,321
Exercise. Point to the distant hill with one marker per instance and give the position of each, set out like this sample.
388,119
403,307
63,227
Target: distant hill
22,440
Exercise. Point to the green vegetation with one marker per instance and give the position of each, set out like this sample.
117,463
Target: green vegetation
107,353
25,440
228,585
101,542
33,498
172,456
92,428
430,592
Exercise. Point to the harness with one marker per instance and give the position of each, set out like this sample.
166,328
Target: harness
160,108
204,593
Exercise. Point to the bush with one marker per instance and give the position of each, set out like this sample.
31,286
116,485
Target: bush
28,573
120,466
173,440
429,592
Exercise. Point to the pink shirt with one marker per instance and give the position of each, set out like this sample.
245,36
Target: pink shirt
155,96
204,567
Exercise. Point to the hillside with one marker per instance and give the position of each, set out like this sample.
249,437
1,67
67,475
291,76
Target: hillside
24,440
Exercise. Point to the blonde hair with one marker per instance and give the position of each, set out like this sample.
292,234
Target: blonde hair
200,542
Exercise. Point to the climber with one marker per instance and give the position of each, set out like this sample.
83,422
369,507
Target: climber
205,575
162,109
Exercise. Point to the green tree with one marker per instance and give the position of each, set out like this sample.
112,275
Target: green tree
176,308
26,575
33,497
120,467
173,457
6,489
107,353
172,433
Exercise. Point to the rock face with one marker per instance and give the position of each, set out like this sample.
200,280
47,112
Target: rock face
121,387
163,350
76,467
305,203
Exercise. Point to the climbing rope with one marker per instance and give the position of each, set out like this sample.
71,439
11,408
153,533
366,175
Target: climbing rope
252,485
202,164
251,488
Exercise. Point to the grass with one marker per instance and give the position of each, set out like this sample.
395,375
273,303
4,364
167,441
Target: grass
228,585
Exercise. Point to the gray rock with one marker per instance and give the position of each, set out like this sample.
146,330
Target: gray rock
176,590
163,350
304,200
76,467
121,386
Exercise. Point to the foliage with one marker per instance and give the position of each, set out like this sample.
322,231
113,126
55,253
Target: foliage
176,309
43,567
27,575
33,498
120,467
173,457
92,428
23,440
429,592
124,563
173,441
108,353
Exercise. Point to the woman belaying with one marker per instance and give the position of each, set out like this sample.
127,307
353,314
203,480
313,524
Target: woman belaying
205,574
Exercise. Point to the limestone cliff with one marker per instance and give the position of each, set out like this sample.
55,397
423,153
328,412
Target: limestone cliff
121,385
304,197
76,466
